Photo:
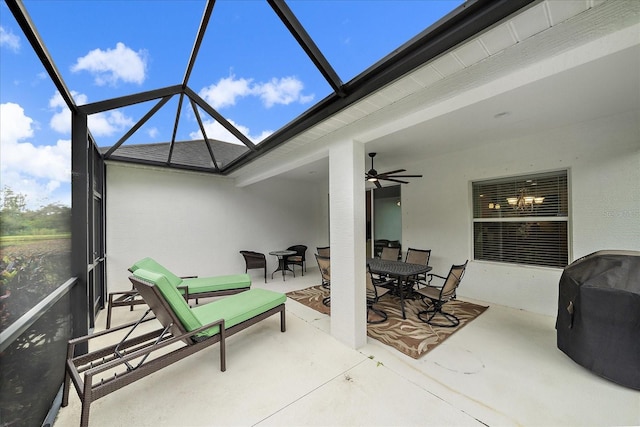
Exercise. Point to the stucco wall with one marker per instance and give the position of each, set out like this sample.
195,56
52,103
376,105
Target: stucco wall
603,159
197,223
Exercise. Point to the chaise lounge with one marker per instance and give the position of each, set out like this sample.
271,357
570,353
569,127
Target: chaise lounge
192,287
135,358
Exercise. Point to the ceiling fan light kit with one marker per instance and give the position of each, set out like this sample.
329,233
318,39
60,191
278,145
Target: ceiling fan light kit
372,175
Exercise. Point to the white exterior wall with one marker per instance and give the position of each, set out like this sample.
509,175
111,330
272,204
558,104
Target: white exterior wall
196,223
603,158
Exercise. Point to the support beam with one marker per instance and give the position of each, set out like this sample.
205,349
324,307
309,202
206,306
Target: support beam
80,198
347,227
309,46
204,23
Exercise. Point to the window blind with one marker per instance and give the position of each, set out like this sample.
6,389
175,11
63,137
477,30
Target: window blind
522,220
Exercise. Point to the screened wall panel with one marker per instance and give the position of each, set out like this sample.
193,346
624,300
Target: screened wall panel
32,367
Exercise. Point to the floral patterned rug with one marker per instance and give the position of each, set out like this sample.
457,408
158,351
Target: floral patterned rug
410,336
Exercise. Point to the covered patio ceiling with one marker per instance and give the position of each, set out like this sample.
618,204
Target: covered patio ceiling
550,65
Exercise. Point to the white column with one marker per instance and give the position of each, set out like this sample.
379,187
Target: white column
347,227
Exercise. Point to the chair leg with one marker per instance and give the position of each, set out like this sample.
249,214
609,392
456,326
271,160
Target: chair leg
427,317
381,313
109,311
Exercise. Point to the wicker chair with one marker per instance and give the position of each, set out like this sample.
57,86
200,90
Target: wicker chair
299,258
255,260
438,296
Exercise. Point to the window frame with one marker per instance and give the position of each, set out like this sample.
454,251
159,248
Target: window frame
524,219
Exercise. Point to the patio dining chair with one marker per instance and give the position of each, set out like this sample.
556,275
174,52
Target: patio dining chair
437,296
389,253
418,256
324,251
324,265
375,290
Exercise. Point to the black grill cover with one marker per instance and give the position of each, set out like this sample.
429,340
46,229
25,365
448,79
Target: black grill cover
598,323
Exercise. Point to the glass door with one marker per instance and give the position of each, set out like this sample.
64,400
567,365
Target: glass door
383,219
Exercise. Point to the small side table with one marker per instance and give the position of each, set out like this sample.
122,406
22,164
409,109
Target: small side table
282,262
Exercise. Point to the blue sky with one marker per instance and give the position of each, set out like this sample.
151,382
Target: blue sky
250,69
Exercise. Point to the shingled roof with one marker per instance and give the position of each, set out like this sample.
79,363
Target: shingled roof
187,154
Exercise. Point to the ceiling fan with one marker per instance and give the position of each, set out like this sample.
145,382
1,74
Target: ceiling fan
373,176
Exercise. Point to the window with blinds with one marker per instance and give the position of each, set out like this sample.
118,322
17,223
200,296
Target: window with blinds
522,220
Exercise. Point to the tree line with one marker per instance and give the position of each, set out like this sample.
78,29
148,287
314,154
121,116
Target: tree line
17,220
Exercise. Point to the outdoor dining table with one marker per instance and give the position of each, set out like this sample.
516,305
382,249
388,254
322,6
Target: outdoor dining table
282,262
398,270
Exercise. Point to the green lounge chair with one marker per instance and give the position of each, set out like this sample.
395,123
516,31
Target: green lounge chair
192,287
197,328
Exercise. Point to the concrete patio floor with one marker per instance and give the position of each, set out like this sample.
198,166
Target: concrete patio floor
503,369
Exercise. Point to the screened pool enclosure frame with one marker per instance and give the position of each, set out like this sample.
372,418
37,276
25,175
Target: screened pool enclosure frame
87,289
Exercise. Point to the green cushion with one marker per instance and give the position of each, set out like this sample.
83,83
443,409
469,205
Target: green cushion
152,265
218,283
237,308
172,296
196,284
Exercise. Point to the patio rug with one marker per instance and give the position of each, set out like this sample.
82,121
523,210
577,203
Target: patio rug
409,336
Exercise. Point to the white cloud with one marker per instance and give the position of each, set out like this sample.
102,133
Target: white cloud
61,119
10,40
16,125
283,91
108,123
215,130
100,124
113,65
261,137
153,132
36,171
226,91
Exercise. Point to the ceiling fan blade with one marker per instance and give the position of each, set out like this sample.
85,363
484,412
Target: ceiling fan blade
391,172
405,176
372,175
395,180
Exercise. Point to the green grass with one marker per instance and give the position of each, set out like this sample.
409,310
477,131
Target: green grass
12,240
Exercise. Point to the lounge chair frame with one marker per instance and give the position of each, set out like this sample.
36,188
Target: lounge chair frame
131,297
81,370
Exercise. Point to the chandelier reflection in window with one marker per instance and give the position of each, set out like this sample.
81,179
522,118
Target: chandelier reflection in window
524,201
